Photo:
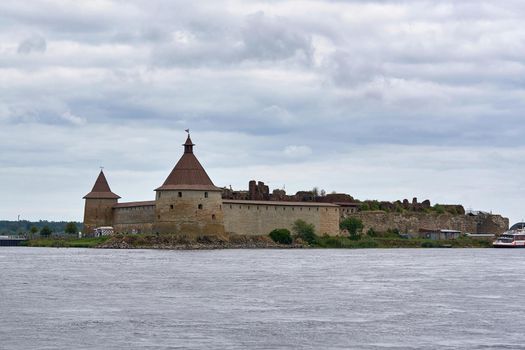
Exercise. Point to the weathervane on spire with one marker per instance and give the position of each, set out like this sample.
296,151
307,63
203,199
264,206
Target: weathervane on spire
101,168
188,131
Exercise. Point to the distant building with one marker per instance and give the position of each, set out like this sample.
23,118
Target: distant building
439,234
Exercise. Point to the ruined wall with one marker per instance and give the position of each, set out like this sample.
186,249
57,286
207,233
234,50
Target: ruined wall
134,219
411,222
259,218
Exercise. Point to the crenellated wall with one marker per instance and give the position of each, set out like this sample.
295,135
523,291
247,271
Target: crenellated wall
261,217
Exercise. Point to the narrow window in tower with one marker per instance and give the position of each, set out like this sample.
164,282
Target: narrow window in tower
213,216
180,194
200,206
205,194
160,193
171,206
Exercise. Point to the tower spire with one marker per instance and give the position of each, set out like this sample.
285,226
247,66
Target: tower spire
188,173
101,188
188,145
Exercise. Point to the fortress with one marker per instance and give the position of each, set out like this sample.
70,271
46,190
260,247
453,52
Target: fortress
188,203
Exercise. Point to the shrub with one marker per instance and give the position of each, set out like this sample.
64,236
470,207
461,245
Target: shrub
439,209
393,232
371,232
305,231
281,236
354,227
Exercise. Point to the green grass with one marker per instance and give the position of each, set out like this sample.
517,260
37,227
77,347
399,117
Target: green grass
88,242
390,242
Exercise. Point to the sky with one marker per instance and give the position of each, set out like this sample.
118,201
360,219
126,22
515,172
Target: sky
379,99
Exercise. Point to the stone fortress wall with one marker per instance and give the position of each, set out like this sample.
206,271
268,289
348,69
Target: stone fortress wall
261,217
240,217
134,217
189,212
188,203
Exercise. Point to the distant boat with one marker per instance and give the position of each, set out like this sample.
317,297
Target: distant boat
7,241
513,238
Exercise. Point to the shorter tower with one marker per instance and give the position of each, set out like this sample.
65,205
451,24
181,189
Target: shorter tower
98,209
188,203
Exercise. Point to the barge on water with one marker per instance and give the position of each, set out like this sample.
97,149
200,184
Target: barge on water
11,241
513,238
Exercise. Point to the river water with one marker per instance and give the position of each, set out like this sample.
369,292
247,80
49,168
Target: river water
262,299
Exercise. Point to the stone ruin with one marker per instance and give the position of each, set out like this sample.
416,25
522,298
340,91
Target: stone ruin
257,190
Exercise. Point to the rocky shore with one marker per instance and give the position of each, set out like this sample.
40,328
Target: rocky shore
188,243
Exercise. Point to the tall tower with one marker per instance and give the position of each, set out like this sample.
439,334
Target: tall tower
188,202
98,210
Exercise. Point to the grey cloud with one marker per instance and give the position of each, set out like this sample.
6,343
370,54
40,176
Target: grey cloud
258,37
272,39
261,83
34,43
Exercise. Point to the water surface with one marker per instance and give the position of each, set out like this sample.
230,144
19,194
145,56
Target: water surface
262,299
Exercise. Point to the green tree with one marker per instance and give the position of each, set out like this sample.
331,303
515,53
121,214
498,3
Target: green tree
71,228
305,231
354,226
33,230
281,235
364,207
45,231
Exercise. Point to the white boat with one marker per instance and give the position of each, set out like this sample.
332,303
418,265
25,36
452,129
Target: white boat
513,238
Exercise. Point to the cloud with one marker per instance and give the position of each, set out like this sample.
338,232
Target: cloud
73,119
262,84
32,44
294,151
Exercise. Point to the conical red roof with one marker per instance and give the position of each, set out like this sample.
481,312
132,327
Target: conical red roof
101,189
188,173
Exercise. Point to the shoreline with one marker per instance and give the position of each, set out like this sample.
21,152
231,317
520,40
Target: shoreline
174,242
